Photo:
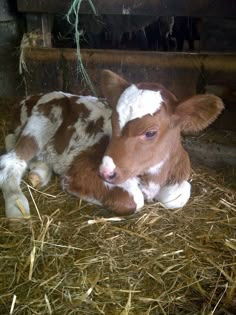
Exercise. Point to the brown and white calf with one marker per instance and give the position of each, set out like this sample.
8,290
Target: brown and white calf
115,156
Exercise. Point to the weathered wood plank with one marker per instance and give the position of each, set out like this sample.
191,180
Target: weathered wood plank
183,73
41,23
225,62
199,8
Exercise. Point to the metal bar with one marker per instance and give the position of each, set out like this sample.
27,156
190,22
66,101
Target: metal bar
216,8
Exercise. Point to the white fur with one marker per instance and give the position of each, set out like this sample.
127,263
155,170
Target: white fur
11,167
80,139
11,171
92,200
50,96
150,190
97,109
132,187
14,200
10,141
42,171
23,114
174,196
55,114
107,164
136,103
41,129
154,170
92,103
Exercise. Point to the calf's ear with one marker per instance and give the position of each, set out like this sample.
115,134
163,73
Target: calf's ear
112,85
197,112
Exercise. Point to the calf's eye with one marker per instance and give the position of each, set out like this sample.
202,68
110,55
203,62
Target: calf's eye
150,134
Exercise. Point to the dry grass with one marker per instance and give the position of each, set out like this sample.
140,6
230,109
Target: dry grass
75,258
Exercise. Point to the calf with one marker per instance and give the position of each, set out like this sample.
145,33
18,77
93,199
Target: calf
115,157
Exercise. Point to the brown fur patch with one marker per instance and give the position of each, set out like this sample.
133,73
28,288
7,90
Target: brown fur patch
198,112
94,127
26,148
71,112
112,85
31,102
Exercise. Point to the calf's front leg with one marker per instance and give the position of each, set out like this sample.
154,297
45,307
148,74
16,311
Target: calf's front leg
174,196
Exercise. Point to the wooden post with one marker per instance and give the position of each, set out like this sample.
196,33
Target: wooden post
40,24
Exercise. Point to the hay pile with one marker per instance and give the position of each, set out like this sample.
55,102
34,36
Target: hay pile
75,258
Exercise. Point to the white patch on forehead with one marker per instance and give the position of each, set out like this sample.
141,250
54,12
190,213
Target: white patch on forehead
136,103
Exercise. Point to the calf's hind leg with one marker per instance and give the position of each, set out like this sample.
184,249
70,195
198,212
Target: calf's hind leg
40,173
34,136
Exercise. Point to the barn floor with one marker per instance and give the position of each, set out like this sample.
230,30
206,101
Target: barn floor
75,258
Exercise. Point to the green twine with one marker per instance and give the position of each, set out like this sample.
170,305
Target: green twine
74,12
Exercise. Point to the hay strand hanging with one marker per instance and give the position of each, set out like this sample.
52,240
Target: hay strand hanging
73,18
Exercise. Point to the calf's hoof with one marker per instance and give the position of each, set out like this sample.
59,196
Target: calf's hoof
17,206
40,174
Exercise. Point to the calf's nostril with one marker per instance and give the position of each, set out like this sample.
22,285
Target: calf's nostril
112,176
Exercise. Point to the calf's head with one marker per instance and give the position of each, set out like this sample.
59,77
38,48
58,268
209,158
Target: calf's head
147,120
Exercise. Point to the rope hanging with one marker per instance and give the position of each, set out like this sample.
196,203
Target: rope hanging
73,18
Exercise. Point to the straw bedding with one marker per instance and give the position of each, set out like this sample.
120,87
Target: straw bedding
76,258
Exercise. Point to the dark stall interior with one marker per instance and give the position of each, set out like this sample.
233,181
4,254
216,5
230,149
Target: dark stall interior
190,48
